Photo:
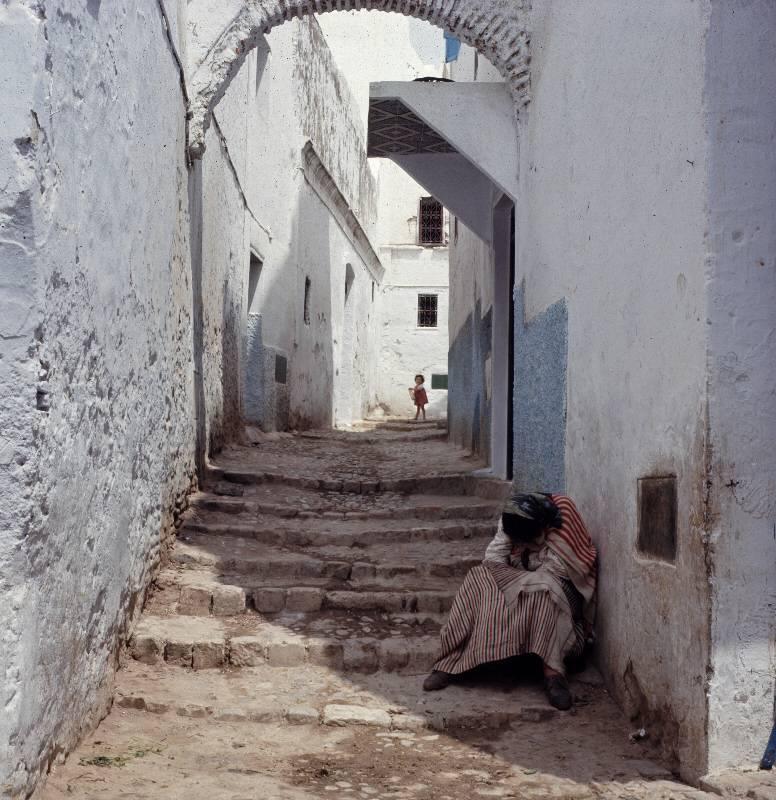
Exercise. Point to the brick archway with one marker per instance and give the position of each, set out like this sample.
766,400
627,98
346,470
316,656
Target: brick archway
496,28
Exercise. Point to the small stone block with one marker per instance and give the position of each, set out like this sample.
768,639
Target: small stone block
147,649
338,570
156,708
342,715
432,602
228,601
383,601
247,651
325,653
360,656
394,655
179,653
132,701
231,715
352,487
304,599
207,655
285,654
269,601
362,571
408,722
302,715
193,711
422,655
194,601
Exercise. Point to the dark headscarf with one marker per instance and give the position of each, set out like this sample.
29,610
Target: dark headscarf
525,516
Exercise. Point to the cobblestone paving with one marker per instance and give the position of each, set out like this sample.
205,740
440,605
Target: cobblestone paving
282,650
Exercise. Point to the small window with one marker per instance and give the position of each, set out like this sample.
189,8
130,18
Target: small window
307,285
431,221
439,382
427,310
657,517
281,369
373,291
254,273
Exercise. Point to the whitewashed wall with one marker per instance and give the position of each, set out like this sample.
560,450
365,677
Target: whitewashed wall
98,438
289,92
407,349
371,47
612,219
741,267
470,337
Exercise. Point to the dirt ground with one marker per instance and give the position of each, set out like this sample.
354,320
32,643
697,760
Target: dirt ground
135,755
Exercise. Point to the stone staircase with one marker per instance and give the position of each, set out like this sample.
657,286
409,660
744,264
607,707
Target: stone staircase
337,580
282,650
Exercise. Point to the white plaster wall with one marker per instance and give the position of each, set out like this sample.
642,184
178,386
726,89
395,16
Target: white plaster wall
22,52
612,218
470,338
407,349
288,92
399,205
96,239
225,253
370,46
741,123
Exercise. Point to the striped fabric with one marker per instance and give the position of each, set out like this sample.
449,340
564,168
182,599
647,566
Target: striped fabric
573,545
483,628
502,610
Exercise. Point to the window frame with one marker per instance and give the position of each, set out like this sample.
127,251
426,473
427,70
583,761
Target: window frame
424,240
432,309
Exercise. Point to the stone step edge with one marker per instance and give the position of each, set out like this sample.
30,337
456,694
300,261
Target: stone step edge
454,483
365,655
228,600
225,504
307,538
357,571
345,715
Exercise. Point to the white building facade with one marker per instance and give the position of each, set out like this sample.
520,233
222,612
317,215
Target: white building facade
413,250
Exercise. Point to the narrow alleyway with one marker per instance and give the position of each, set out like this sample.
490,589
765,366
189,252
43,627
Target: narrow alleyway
282,652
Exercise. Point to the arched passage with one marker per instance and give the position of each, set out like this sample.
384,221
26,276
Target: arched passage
496,28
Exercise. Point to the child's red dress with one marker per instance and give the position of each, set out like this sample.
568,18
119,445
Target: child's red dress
421,398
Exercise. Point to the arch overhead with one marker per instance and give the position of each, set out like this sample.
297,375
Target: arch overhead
496,28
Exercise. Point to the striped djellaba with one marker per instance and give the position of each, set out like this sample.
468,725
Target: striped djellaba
503,610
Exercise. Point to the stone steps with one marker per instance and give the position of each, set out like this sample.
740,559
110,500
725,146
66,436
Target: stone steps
341,534
433,508
209,643
206,594
311,694
425,564
449,484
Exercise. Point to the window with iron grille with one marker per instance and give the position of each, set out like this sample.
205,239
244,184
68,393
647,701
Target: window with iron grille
427,310
431,221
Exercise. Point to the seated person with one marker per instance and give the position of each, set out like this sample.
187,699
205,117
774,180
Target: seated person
533,593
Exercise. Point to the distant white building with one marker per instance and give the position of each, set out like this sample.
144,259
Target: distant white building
413,236
412,227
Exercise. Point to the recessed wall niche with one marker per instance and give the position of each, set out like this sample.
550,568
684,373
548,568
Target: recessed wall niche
657,517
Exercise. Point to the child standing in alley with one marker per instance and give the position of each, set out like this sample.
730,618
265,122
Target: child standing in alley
419,396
